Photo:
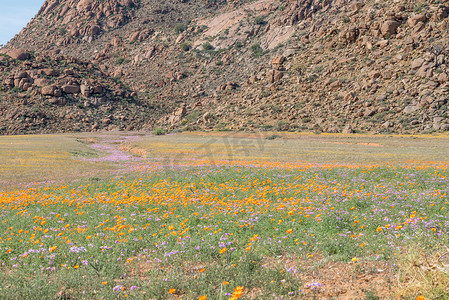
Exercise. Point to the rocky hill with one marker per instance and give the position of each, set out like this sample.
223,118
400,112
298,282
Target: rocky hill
328,66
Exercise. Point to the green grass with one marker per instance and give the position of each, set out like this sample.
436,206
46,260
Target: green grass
170,225
230,210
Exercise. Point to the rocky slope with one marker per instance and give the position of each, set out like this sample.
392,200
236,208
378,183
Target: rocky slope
330,66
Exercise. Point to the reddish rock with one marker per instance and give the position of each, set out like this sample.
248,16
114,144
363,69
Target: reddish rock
85,91
95,30
416,19
277,61
41,82
20,75
389,27
48,90
71,89
49,72
19,54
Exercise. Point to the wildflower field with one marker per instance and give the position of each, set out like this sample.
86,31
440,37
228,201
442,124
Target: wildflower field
187,217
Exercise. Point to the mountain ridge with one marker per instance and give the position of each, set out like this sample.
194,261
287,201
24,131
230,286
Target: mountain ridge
302,65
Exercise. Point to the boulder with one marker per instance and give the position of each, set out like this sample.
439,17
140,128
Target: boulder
97,89
94,30
49,72
48,90
410,109
389,27
374,74
347,129
85,91
335,85
51,90
41,82
443,78
84,5
417,63
278,61
19,54
71,89
20,75
416,19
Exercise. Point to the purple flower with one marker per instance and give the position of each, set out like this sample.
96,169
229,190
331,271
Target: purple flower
118,288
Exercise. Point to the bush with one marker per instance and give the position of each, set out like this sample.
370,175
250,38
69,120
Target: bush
180,28
260,20
159,131
122,60
185,47
257,50
207,47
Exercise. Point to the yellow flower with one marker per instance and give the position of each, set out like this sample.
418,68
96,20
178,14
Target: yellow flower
354,259
379,229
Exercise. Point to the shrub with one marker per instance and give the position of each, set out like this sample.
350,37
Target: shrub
122,60
180,28
257,50
207,47
185,47
159,131
260,20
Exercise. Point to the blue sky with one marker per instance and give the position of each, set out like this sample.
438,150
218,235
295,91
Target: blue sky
14,15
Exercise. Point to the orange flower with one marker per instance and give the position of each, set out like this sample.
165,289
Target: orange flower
76,267
172,291
225,283
379,229
53,248
247,249
104,283
202,270
204,297
420,297
238,292
223,250
289,231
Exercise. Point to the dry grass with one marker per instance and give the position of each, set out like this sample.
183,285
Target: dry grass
339,279
424,273
304,147
46,159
